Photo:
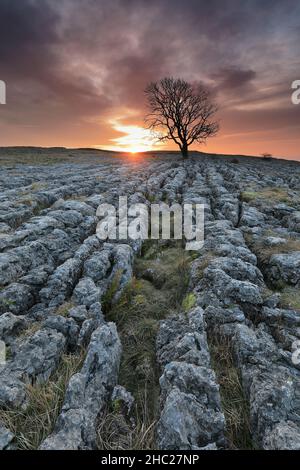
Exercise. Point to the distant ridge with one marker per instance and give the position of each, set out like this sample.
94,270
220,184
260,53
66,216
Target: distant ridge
63,150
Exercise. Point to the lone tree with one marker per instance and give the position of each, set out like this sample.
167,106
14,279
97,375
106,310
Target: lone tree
181,111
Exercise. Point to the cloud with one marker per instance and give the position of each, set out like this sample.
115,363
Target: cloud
69,63
233,78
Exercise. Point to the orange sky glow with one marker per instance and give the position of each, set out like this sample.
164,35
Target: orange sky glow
76,77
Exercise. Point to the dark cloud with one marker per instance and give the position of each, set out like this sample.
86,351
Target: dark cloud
234,78
69,62
27,33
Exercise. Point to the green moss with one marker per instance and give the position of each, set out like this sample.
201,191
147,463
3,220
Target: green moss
189,302
7,303
108,297
248,196
150,197
116,405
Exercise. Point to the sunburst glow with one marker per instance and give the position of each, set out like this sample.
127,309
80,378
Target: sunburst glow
135,139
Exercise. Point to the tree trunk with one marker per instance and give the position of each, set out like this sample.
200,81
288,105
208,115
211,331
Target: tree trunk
184,151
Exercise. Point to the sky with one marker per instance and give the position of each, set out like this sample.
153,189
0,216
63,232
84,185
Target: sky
75,71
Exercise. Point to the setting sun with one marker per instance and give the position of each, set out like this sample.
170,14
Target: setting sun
135,139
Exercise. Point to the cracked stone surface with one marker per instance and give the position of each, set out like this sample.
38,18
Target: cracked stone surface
55,272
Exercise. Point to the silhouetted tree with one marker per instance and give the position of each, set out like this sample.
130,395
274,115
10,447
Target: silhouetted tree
267,156
181,111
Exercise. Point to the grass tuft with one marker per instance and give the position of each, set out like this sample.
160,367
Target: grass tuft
33,425
234,402
270,196
290,298
63,310
108,297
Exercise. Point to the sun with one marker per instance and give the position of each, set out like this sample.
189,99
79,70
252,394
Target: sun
135,139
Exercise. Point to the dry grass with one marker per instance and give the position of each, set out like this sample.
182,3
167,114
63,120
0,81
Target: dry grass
25,157
269,194
203,262
63,310
33,425
31,330
38,186
290,298
234,403
115,432
264,252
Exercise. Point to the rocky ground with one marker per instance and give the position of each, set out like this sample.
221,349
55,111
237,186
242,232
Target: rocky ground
143,345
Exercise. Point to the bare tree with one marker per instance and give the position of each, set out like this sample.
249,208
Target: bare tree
181,112
267,155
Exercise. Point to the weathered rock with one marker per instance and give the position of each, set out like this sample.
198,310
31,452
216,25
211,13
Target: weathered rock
216,316
86,293
86,331
188,378
66,326
191,414
284,436
17,298
36,358
185,423
87,393
79,314
12,392
231,251
271,385
219,289
6,438
10,326
4,228
95,312
293,221
123,260
98,266
61,283
252,217
49,248
183,338
122,400
285,267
